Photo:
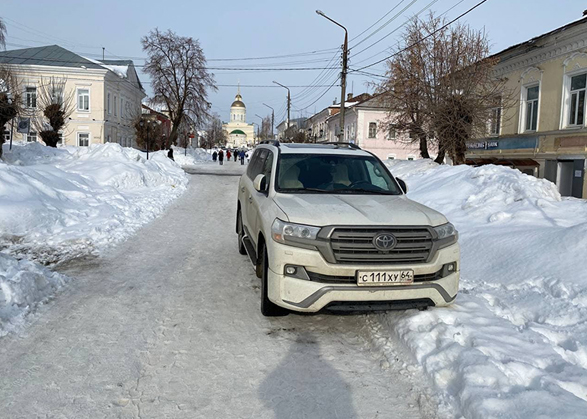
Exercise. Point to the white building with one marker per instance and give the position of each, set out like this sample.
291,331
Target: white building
107,94
238,132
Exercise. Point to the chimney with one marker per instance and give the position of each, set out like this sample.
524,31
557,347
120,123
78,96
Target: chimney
584,12
349,96
334,101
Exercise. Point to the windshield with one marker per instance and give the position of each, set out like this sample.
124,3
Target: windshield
319,173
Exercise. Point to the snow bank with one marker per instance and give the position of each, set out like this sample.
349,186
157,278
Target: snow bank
193,157
58,204
23,285
515,342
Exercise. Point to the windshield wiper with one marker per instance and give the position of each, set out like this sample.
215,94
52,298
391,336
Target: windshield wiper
362,190
293,190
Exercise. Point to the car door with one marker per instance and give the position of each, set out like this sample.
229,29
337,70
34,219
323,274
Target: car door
259,199
249,211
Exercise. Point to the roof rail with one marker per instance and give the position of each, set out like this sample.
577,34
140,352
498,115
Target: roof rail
342,144
273,142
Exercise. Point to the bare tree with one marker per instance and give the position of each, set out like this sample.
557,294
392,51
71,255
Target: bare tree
148,132
180,80
10,99
55,105
440,86
2,33
215,134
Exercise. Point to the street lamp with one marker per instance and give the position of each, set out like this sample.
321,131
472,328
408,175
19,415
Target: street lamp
272,119
288,103
149,125
254,123
342,74
260,117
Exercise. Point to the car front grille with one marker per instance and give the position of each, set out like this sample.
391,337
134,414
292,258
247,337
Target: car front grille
355,245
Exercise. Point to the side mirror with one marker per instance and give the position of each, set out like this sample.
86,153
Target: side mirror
260,183
402,184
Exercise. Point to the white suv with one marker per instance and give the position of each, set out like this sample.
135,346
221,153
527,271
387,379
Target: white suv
328,226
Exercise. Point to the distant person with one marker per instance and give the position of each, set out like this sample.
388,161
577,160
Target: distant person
228,155
221,157
170,154
235,154
214,155
241,155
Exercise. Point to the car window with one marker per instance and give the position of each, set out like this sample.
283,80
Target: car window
319,173
256,165
267,167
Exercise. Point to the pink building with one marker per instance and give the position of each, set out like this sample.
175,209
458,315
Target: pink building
366,124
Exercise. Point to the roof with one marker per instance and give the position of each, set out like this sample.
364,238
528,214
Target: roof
531,43
303,148
237,104
51,55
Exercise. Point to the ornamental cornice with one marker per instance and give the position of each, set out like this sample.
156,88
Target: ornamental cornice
575,44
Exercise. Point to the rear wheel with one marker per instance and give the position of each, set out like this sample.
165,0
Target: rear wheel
241,233
268,308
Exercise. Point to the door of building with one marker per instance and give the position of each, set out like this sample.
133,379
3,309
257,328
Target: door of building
564,177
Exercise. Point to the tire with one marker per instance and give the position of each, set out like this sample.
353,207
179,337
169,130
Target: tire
241,234
268,309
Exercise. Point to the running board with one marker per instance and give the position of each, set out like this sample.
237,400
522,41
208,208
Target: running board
250,250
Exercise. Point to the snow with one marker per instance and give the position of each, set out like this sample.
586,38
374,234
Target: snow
515,342
120,70
59,204
193,157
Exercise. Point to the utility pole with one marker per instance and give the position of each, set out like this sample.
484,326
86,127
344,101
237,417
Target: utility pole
260,117
272,120
288,104
345,48
103,49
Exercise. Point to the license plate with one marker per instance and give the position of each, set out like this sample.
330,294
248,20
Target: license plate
385,277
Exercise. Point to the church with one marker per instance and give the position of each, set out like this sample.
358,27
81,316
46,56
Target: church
238,132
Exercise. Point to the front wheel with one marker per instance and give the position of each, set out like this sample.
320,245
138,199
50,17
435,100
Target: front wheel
268,309
241,234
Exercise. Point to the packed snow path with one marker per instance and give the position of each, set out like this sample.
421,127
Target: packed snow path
168,326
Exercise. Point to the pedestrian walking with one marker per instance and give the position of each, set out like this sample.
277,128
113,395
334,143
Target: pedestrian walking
227,155
214,155
221,157
241,155
235,155
170,154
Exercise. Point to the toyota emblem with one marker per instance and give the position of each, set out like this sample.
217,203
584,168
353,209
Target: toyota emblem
384,241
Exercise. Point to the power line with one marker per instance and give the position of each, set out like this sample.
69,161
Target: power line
426,37
322,95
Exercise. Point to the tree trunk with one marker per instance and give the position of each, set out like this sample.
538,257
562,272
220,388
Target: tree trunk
440,158
424,146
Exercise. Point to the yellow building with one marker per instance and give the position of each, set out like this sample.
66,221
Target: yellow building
106,94
544,131
238,132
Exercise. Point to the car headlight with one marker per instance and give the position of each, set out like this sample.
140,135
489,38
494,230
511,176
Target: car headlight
282,231
445,231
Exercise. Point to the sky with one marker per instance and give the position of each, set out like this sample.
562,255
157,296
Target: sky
231,29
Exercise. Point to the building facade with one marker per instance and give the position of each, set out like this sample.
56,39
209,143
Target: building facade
366,124
543,131
238,132
106,94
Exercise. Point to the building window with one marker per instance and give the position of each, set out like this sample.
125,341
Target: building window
60,141
411,157
6,135
108,105
531,108
372,129
121,108
30,97
577,109
31,137
391,157
495,121
392,133
83,139
83,99
114,105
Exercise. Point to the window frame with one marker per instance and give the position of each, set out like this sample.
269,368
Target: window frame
394,136
78,138
77,96
108,107
32,134
570,101
30,95
369,130
523,122
493,118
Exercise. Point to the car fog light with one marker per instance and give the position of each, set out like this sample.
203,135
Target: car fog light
290,270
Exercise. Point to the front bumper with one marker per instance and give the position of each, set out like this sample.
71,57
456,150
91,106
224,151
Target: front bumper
310,296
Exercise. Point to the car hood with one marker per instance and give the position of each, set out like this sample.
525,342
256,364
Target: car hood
331,209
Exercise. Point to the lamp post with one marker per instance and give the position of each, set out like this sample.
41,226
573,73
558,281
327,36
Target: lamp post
272,119
254,123
149,125
260,117
288,104
342,74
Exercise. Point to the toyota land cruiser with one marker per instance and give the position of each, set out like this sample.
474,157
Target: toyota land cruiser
328,226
